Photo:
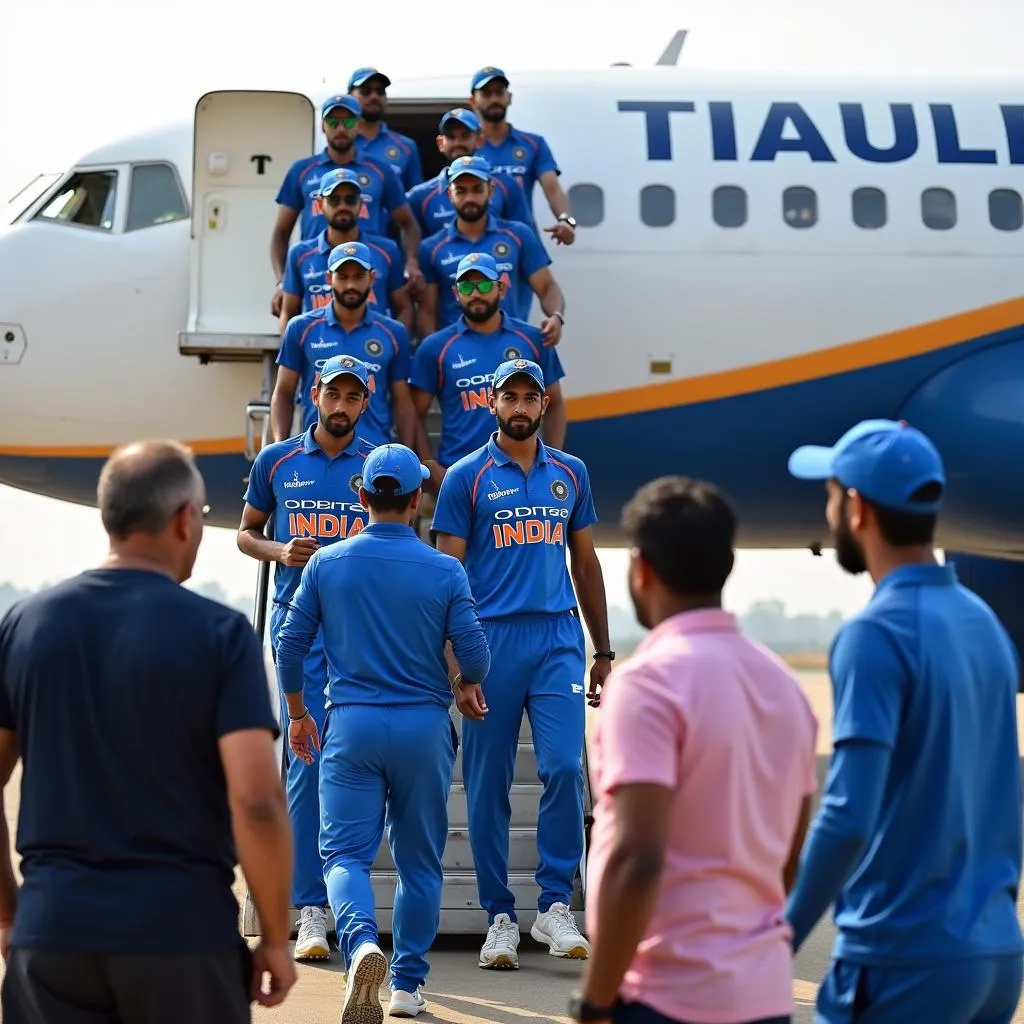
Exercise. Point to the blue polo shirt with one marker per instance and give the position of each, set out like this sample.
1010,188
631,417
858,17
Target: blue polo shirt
309,494
300,190
927,672
386,575
515,247
516,527
457,364
310,339
432,206
393,150
305,271
523,155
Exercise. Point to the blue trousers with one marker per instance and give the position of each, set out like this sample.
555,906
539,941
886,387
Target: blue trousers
387,766
982,990
302,780
537,665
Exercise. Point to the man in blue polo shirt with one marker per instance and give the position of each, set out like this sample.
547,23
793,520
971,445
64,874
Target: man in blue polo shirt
457,365
306,283
376,140
509,511
430,203
517,251
347,325
382,193
918,839
310,486
390,746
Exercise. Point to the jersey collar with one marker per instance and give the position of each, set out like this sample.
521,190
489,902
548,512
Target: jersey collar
332,318
453,230
700,620
310,447
502,458
919,576
389,530
462,325
322,245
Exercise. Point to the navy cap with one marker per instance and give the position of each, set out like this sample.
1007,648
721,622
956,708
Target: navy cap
513,367
362,75
477,166
465,117
485,75
350,103
398,462
885,460
339,176
478,261
355,251
337,366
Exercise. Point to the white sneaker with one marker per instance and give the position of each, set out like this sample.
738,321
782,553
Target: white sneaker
311,942
406,1004
501,947
366,974
556,927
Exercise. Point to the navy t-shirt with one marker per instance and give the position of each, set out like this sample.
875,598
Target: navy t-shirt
119,684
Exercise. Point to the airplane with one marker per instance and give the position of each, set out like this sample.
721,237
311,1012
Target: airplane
762,259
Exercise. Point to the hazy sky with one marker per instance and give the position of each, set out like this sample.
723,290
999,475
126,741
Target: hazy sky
74,75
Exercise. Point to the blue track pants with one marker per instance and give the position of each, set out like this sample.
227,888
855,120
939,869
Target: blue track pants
537,665
387,765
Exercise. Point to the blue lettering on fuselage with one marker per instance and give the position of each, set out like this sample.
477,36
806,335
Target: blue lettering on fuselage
788,128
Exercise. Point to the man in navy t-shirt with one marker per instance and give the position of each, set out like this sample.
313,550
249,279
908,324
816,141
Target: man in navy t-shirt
918,839
142,715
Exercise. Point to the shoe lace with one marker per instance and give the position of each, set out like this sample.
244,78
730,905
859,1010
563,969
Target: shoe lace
562,919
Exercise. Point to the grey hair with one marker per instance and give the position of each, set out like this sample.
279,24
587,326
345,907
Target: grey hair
143,486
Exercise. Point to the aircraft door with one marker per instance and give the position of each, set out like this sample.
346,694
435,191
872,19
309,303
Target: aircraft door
245,142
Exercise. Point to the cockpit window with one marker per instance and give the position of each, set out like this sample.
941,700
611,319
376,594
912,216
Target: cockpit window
27,195
88,199
155,197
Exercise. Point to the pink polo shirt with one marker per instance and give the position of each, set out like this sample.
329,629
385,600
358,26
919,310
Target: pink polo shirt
723,723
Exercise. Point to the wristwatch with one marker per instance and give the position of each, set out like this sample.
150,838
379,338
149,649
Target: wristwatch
561,317
610,655
567,218
580,1010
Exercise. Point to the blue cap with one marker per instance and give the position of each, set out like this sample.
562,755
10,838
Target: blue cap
362,75
336,366
339,176
885,460
478,166
355,251
350,103
465,117
485,75
399,463
515,366
478,261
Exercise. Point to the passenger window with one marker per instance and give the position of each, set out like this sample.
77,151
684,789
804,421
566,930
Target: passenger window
657,206
87,199
587,205
938,209
155,197
800,207
869,211
729,206
1005,209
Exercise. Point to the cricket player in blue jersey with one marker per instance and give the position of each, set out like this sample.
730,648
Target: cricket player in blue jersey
459,135
457,365
386,604
309,485
347,326
918,837
307,283
376,140
509,511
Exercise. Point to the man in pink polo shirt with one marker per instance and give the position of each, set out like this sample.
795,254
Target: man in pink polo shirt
704,770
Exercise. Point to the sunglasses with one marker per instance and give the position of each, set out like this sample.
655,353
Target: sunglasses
346,122
483,287
347,199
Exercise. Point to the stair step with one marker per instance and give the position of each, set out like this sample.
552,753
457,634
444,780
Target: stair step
458,856
460,892
524,801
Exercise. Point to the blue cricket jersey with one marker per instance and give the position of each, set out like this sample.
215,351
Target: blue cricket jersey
523,155
516,527
457,364
432,206
928,672
305,271
310,339
386,603
516,249
394,150
300,190
309,494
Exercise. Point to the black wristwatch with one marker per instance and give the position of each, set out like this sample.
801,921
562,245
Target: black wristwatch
610,655
567,218
580,1010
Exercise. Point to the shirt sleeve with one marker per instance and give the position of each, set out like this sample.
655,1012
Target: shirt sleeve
394,194
290,192
292,284
513,200
453,510
289,355
299,629
469,642
400,365
396,271
413,167
583,512
640,731
534,256
545,159
550,364
243,701
423,372
260,491
425,261
868,680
